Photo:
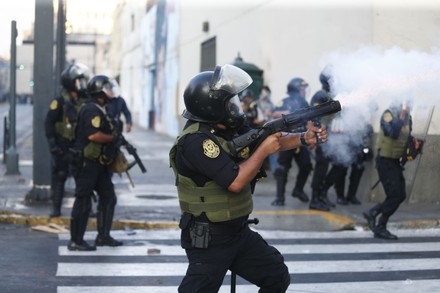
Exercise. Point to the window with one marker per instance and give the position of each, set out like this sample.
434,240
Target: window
208,58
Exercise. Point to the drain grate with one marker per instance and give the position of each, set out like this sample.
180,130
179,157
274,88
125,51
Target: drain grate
155,196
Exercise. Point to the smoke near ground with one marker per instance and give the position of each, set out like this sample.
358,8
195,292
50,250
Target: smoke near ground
368,80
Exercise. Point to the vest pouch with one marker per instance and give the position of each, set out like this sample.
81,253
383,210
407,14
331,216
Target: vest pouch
119,164
92,151
65,130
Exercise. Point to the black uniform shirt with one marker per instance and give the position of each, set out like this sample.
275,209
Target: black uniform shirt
91,120
201,166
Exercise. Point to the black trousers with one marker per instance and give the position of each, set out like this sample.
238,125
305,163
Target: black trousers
320,171
246,253
91,177
391,175
302,159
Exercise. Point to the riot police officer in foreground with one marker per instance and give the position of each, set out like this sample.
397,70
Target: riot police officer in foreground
296,89
393,141
215,187
60,126
96,144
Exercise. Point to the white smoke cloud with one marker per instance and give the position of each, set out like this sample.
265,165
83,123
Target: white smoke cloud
368,80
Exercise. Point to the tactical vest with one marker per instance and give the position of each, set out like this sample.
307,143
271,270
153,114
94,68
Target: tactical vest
66,127
95,150
218,204
394,148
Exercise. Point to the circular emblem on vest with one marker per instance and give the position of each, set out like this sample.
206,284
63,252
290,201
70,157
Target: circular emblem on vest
387,117
96,121
54,105
210,149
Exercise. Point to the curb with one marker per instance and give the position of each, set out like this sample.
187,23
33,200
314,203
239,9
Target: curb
25,219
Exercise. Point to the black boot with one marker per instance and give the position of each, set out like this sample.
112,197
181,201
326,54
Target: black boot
104,221
78,227
301,195
324,199
281,178
370,216
317,204
353,200
342,201
381,230
57,197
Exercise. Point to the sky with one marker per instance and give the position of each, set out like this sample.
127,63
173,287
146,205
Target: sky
23,12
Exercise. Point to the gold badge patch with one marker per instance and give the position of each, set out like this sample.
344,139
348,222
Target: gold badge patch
96,121
387,117
210,149
54,105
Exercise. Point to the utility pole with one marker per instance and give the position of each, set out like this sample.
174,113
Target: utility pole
60,60
43,94
11,153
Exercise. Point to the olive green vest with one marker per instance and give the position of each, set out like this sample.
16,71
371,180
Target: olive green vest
218,204
394,148
66,128
93,150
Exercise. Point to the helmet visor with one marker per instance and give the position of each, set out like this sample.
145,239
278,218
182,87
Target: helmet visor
107,88
81,84
231,79
233,106
116,88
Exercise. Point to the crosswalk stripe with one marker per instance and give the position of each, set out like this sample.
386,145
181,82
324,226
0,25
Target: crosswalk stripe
346,261
406,286
269,234
284,249
303,267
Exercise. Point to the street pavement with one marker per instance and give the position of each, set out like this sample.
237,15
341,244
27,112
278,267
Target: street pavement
153,203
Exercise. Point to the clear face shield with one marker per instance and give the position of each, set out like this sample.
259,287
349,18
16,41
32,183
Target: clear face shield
116,88
108,90
231,79
81,75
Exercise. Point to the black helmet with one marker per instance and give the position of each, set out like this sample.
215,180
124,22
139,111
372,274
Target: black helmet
247,93
296,85
74,78
211,96
101,85
324,78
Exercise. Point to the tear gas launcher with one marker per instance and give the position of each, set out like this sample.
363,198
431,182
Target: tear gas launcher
285,123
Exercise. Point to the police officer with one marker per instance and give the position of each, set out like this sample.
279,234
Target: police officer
215,187
250,109
319,199
60,123
96,142
296,89
117,107
395,133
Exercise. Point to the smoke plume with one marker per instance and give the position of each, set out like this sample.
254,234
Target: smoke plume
368,80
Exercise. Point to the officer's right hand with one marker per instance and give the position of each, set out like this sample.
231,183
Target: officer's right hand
271,144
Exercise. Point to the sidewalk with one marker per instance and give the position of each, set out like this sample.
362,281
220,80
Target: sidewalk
153,203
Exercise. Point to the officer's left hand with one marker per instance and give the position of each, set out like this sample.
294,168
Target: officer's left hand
313,134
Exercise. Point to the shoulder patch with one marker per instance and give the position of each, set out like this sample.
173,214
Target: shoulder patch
387,117
210,149
96,121
54,105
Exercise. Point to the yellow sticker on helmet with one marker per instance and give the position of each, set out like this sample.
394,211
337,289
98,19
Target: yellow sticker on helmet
387,117
96,122
210,149
54,105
